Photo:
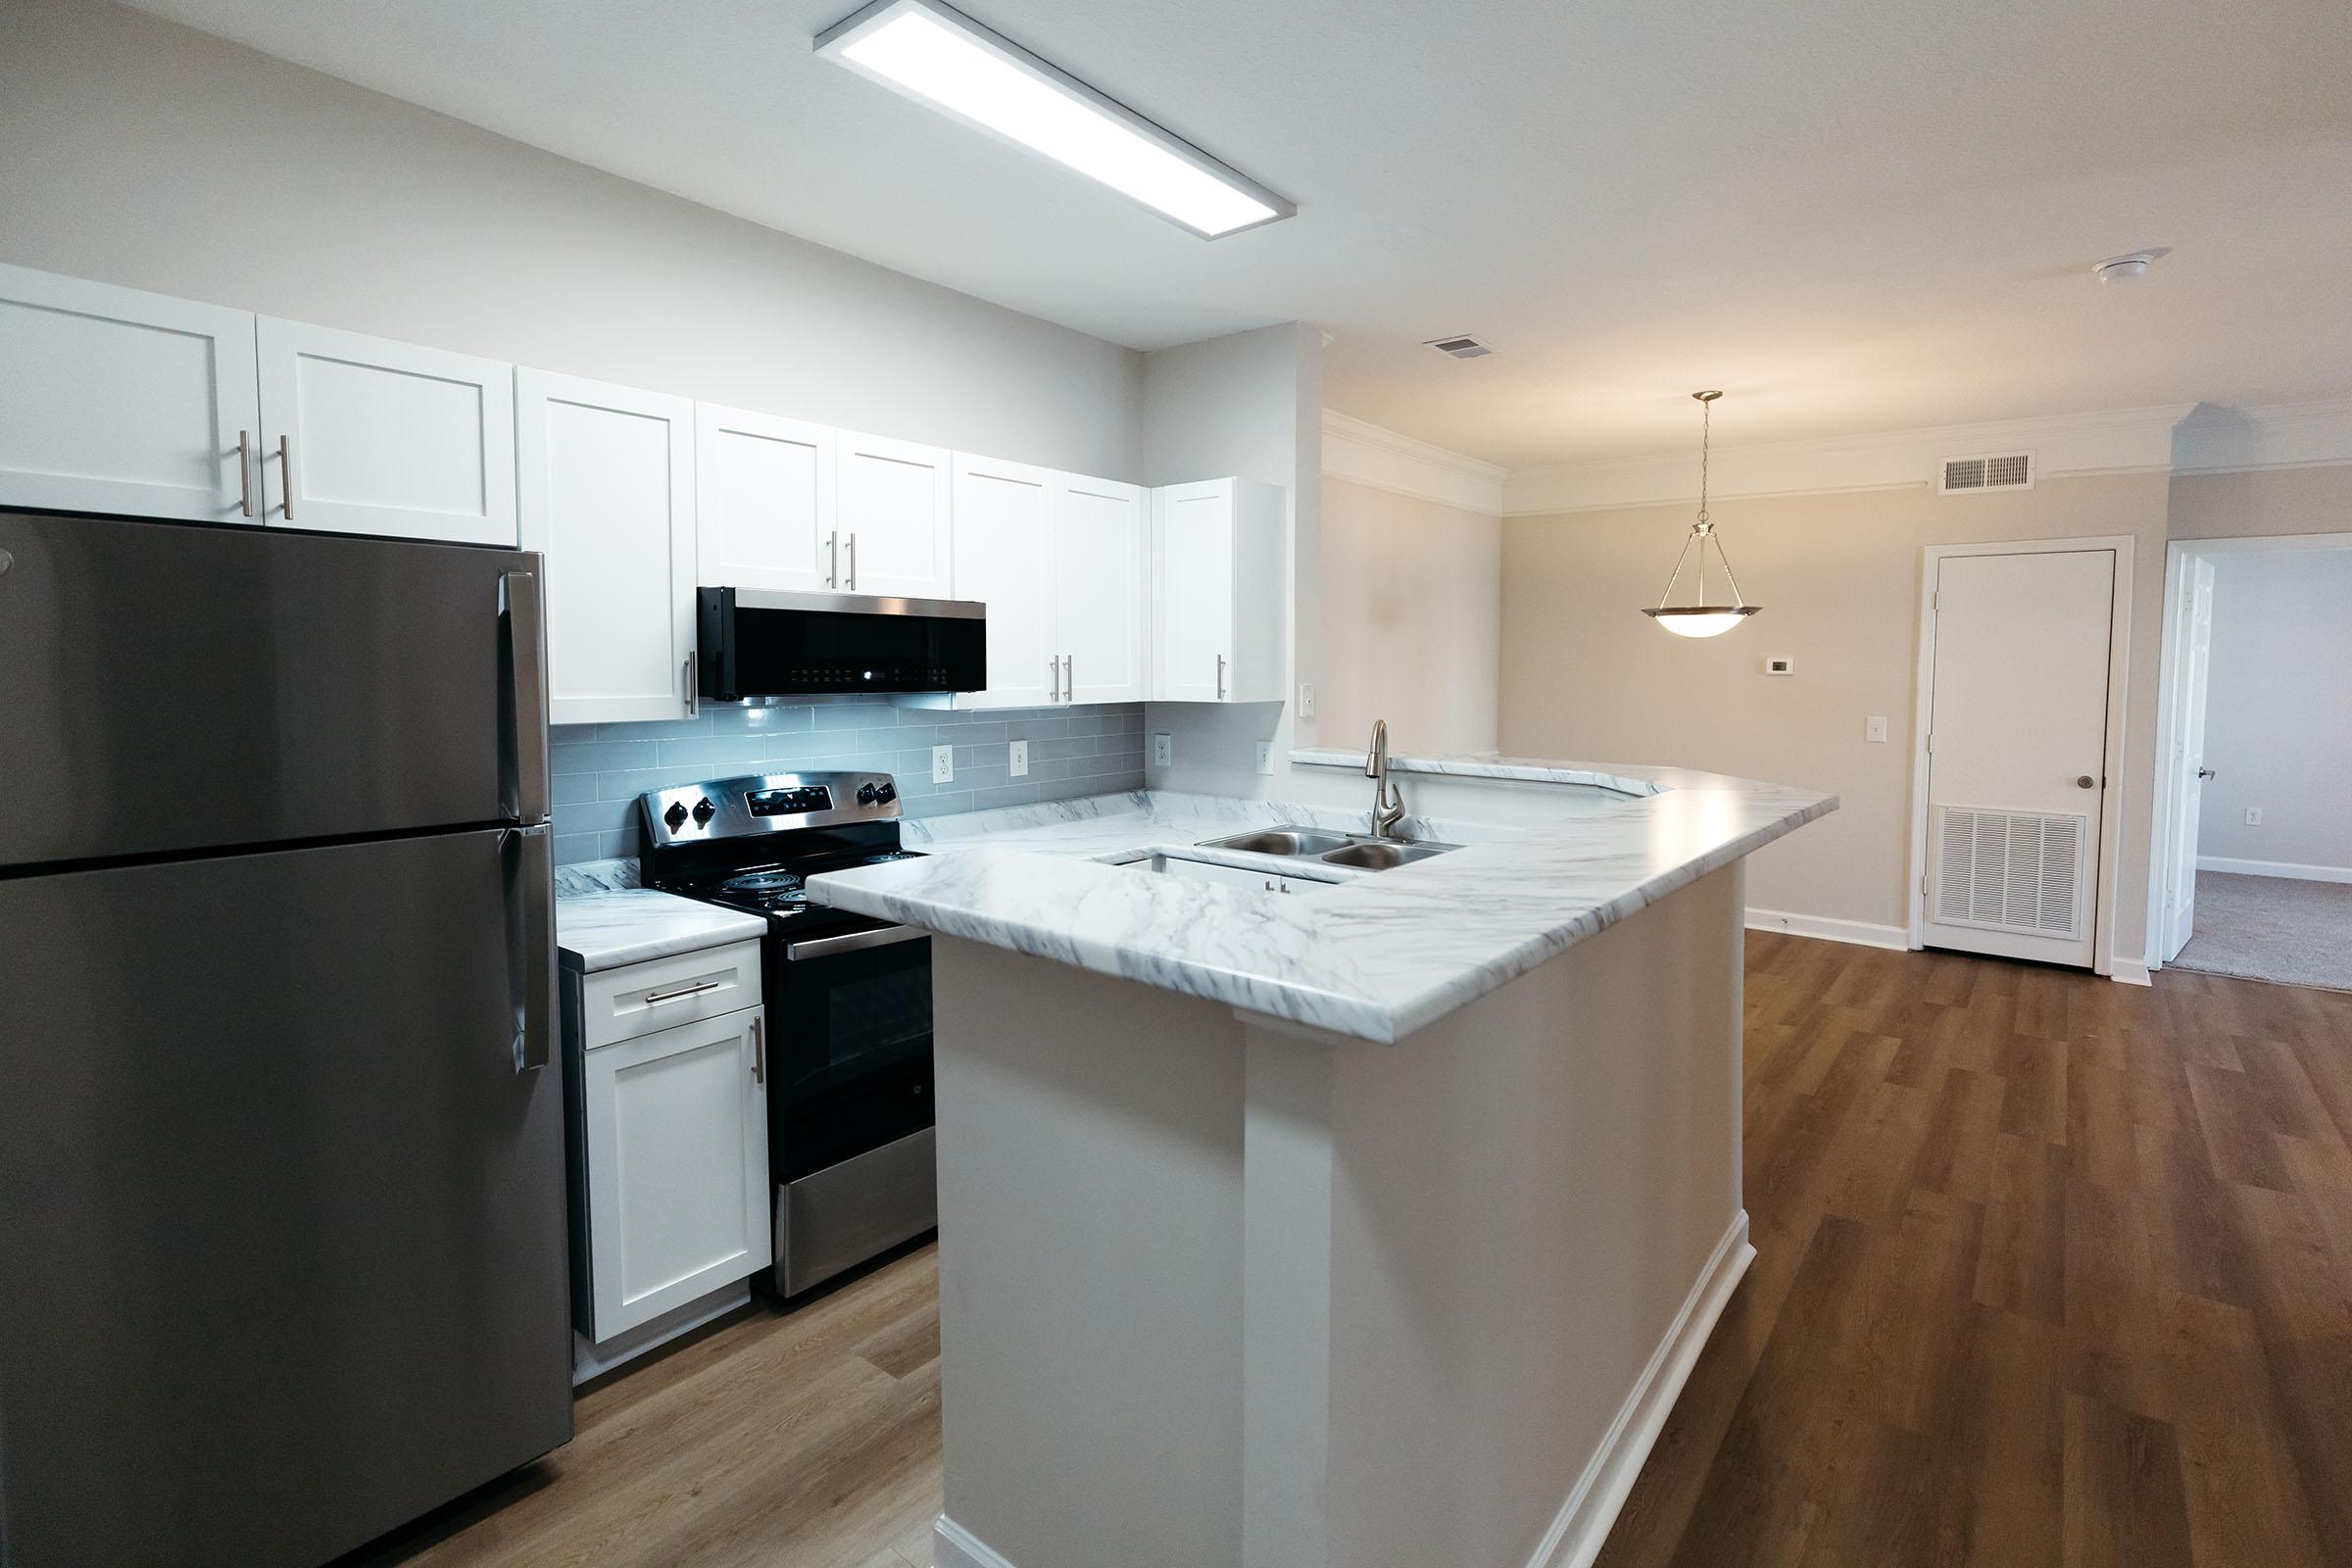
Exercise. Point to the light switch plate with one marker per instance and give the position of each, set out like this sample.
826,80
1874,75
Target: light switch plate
1164,750
1873,728
1265,757
1307,701
943,764
1019,759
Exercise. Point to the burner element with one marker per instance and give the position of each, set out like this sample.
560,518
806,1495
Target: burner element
763,882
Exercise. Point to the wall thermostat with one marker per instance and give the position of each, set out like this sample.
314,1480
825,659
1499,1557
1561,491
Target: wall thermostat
1779,666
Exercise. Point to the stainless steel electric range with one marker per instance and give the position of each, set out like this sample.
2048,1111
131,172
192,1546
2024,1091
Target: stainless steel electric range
848,1004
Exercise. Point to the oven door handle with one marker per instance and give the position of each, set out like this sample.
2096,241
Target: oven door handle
828,947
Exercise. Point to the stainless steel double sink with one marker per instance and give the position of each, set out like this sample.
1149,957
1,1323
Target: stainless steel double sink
1353,849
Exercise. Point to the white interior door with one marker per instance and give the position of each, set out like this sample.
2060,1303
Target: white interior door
1102,553
608,496
114,400
1192,591
385,438
764,503
1002,517
677,1167
894,505
2195,644
2017,746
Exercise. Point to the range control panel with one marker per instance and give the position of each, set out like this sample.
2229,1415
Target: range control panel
772,803
798,800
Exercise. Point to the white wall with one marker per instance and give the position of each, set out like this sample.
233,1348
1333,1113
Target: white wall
2279,710
1413,621
138,152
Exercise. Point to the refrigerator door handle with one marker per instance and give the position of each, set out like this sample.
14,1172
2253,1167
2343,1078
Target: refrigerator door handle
522,786
530,856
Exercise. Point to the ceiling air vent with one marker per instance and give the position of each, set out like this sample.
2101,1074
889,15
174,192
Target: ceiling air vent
2005,471
1461,347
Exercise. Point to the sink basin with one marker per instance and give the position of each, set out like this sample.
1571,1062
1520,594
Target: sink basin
1299,841
1367,856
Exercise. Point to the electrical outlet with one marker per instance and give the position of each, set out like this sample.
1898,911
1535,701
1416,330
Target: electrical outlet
1265,757
943,764
2253,817
1019,759
1307,701
1873,728
1164,750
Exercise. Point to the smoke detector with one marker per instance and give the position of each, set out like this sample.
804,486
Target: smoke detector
1460,346
2126,268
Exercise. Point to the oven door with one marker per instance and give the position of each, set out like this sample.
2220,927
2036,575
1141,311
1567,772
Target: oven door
852,1046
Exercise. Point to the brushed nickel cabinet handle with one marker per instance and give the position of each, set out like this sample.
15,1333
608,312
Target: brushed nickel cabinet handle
1069,678
285,475
691,694
245,472
1220,677
759,1051
853,582
1054,668
696,989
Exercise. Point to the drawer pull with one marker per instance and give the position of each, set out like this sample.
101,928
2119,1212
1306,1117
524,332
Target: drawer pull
696,989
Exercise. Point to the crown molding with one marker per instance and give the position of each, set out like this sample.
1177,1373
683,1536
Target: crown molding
1366,454
2277,435
2116,441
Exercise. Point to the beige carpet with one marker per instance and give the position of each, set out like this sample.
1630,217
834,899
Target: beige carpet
2271,928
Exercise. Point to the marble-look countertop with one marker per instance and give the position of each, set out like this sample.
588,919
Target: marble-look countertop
1483,765
1378,957
606,928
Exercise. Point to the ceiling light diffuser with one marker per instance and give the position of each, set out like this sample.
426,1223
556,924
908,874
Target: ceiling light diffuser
938,56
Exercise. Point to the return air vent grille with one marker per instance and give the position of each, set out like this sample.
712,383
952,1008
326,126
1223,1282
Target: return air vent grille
2010,871
2004,471
1460,346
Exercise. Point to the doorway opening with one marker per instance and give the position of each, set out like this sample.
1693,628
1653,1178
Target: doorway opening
2251,869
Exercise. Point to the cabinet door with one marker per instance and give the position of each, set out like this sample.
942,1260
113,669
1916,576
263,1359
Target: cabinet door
894,510
384,437
1102,575
1192,618
764,491
1004,513
678,1194
607,496
113,400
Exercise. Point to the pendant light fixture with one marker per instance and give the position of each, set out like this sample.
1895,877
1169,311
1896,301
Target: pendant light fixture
1702,619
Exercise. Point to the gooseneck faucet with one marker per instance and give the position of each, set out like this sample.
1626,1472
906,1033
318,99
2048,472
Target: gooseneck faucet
1387,805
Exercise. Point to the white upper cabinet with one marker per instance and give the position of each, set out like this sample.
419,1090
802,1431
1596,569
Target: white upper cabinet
1004,532
608,496
764,501
1219,591
1102,579
893,515
113,399
365,435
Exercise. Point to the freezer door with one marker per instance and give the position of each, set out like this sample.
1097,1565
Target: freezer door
281,1198
168,687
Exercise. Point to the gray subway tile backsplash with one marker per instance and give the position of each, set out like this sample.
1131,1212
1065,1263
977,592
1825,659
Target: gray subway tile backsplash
600,769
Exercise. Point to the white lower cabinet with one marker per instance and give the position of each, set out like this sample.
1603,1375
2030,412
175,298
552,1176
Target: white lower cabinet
675,1145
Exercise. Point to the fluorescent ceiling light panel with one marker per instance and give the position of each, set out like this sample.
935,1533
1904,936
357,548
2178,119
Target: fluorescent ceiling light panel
942,58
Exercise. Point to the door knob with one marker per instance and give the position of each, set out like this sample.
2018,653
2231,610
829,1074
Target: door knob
2084,781
2204,772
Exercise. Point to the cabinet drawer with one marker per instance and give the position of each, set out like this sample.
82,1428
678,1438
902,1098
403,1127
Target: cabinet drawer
638,999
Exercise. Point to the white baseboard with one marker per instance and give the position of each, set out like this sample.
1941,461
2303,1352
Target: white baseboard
1583,1523
1860,932
2284,868
953,1546
2130,972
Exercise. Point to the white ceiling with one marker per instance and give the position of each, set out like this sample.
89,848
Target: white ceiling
1851,215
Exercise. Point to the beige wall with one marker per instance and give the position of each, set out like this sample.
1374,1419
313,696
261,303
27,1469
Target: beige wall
1413,621
134,151
2279,710
1583,675
2236,506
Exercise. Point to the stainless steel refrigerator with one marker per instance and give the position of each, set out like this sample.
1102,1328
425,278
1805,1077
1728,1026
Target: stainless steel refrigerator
281,1162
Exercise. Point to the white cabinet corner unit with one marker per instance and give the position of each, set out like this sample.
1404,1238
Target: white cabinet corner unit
669,1170
114,400
1220,588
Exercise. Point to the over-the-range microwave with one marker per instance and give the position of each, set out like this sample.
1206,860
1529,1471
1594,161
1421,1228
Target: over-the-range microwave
758,644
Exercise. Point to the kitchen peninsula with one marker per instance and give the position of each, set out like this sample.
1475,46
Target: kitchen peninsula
1297,1214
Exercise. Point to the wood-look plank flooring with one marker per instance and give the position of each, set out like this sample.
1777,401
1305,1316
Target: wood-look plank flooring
2049,1270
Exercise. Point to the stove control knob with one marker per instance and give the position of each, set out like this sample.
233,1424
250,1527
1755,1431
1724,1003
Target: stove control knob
886,792
704,810
865,794
674,816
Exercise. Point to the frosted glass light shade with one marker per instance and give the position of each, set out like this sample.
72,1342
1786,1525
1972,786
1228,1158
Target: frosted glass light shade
1701,620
